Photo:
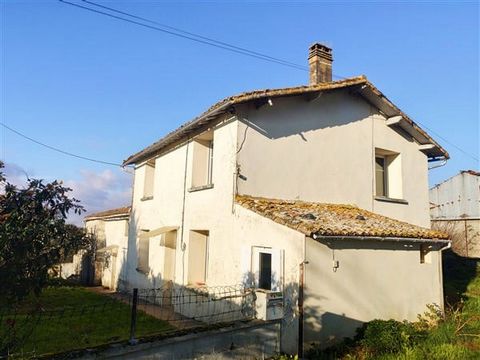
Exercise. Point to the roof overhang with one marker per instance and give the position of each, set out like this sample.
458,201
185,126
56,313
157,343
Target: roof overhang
157,232
385,239
358,85
108,218
398,120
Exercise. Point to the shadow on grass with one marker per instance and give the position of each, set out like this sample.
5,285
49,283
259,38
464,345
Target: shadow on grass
458,272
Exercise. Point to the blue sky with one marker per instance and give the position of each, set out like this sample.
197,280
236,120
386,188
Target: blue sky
105,89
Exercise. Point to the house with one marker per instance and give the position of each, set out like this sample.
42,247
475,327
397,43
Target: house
319,192
455,209
110,229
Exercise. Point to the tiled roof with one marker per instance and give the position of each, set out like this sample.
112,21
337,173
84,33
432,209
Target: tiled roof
109,213
334,219
471,172
374,95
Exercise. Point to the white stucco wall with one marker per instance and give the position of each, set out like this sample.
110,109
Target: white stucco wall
320,151
323,151
374,280
110,234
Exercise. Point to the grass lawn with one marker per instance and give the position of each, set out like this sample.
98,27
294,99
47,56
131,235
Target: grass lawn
68,318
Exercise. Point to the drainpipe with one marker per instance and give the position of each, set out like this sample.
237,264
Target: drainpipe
300,309
301,285
182,240
440,271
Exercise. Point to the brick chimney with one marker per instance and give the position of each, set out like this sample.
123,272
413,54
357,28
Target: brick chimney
320,60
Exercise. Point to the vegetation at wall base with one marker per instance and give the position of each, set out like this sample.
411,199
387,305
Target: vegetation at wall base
455,336
69,318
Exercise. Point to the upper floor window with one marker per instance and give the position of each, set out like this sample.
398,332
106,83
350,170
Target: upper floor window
149,180
381,176
202,169
388,174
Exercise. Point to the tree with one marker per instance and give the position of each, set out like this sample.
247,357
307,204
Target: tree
34,234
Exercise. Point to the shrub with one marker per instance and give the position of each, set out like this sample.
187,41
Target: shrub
387,336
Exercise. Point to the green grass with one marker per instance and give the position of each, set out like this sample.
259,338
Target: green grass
80,319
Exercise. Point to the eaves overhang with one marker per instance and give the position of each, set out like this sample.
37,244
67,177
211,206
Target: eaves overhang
381,238
359,85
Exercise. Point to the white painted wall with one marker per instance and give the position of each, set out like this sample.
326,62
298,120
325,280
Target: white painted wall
456,198
320,151
323,151
110,233
374,280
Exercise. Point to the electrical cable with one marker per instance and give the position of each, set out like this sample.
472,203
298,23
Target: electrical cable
57,149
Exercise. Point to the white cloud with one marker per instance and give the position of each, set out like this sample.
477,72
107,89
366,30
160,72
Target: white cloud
97,191
100,191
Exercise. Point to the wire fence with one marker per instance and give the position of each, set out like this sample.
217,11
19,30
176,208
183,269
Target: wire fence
120,316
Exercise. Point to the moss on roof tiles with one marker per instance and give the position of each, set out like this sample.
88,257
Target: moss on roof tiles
334,219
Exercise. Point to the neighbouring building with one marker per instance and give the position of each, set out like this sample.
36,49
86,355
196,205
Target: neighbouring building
455,209
319,192
110,230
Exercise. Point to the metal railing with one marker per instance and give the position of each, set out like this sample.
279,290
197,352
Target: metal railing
134,313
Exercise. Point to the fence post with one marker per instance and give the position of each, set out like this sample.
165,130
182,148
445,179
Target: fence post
133,319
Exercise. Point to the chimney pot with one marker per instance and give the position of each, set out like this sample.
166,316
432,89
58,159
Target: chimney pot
320,60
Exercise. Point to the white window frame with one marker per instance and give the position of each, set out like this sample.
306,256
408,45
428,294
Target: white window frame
277,266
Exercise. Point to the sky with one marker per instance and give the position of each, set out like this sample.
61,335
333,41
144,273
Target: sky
104,89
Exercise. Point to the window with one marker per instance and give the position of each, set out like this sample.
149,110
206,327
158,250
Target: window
143,252
381,180
202,160
388,174
149,182
267,268
198,257
265,276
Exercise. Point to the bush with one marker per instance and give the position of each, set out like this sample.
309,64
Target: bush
387,336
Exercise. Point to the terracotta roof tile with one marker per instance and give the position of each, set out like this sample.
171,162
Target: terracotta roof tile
109,213
224,105
334,219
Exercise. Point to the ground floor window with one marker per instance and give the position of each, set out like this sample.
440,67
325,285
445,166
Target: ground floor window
198,257
265,271
267,268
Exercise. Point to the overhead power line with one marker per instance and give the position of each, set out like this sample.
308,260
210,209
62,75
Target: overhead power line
300,67
174,31
57,149
450,143
185,34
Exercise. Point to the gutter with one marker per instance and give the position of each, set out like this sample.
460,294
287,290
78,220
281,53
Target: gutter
387,238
